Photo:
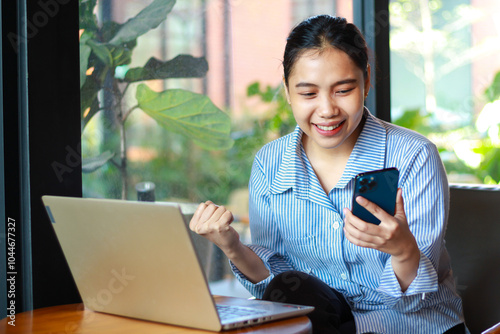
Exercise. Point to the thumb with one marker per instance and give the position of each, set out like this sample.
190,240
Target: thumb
400,207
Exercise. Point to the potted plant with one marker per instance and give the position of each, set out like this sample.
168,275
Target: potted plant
105,80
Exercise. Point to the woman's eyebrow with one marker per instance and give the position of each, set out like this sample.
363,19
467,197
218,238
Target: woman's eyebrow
338,83
305,84
346,81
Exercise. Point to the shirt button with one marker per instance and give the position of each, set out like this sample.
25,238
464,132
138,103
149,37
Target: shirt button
336,225
343,276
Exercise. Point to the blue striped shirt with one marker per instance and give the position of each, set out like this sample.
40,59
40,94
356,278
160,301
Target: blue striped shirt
295,225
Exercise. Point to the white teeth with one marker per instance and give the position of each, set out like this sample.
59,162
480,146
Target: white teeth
327,128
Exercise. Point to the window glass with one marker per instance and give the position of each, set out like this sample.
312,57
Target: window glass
445,81
182,95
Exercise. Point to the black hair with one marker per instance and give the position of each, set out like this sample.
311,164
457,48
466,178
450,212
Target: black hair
321,31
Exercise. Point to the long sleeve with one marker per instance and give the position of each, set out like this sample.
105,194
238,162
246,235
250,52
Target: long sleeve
266,239
425,192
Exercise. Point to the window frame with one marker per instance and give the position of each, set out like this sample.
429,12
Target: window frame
3,250
372,18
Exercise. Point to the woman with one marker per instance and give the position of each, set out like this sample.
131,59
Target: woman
307,246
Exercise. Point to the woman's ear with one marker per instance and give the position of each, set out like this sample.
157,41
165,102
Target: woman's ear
367,80
286,91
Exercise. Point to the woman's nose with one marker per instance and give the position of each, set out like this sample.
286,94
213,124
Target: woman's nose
328,107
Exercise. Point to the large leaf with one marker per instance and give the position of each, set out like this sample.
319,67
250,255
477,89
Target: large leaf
147,19
91,164
182,66
190,114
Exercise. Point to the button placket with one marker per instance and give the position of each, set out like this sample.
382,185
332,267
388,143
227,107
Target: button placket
337,219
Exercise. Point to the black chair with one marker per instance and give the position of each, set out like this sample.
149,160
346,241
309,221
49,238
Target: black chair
473,241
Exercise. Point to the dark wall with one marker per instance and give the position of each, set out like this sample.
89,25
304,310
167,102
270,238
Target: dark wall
54,117
41,128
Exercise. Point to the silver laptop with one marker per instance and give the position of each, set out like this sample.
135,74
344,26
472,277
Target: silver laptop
137,259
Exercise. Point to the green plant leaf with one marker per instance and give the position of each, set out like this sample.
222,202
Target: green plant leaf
92,164
147,19
85,51
101,51
121,56
253,89
182,66
491,163
84,60
190,114
89,99
492,93
87,16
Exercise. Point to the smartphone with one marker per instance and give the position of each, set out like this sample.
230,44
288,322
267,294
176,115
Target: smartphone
379,187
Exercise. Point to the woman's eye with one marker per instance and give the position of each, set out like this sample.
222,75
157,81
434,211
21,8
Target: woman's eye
308,94
343,91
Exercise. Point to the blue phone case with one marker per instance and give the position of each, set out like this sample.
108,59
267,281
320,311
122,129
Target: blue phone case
379,187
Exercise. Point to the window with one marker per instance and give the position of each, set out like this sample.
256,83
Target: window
242,42
445,80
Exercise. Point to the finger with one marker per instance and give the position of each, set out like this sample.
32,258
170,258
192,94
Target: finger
359,239
209,210
355,223
196,216
228,217
201,215
217,221
373,208
400,207
224,221
220,217
361,233
216,213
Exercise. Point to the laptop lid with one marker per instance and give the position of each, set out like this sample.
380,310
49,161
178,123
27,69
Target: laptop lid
134,259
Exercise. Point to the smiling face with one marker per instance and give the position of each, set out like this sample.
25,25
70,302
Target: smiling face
326,90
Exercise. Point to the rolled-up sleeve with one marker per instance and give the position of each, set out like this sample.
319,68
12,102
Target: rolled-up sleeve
266,239
425,193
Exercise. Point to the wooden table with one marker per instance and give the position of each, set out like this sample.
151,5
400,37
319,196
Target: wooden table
75,318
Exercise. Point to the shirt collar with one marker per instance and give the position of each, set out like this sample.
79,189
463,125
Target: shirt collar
369,151
292,171
368,154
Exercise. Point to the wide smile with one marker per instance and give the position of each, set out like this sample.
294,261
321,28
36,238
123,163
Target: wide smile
329,130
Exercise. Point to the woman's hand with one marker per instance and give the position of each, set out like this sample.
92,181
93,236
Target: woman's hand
214,223
392,236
